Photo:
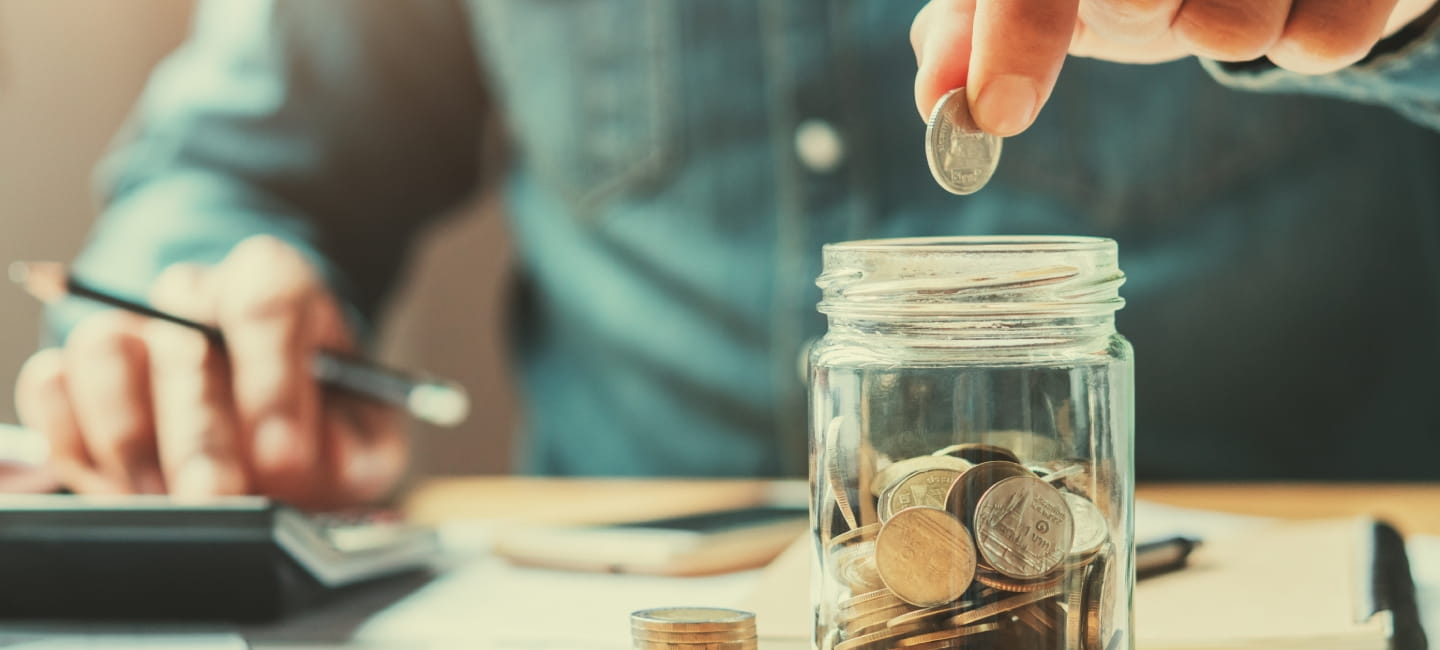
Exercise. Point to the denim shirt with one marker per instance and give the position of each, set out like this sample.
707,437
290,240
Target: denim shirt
673,169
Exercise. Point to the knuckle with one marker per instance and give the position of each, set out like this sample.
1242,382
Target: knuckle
1129,21
266,254
178,285
1236,32
122,438
172,346
1321,49
266,277
44,371
1132,11
102,334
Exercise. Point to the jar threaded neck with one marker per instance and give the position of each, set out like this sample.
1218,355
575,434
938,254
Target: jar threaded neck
982,289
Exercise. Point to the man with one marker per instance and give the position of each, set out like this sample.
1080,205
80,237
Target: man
677,167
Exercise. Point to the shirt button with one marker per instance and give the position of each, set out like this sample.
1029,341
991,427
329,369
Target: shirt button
819,146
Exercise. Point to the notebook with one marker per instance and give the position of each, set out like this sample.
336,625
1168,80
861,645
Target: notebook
1314,585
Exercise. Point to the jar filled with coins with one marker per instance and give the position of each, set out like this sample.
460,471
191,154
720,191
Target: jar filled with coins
971,456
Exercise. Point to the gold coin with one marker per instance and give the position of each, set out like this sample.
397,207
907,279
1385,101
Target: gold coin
871,622
691,619
833,474
979,452
873,638
692,637
862,533
926,556
966,491
856,567
927,487
873,607
921,640
1023,527
882,614
1074,607
1043,617
1001,606
1001,582
748,644
920,616
1097,602
867,598
902,468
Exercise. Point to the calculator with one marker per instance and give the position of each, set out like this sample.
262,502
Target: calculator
234,559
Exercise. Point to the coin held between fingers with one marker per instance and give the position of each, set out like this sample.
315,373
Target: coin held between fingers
962,157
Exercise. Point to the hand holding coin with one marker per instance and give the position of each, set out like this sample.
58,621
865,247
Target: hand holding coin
1009,54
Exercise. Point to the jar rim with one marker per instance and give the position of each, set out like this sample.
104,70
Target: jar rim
977,243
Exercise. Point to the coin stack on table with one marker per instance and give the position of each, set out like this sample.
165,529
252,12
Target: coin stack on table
968,547
693,628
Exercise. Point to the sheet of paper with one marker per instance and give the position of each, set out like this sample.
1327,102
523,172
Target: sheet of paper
481,602
1424,552
60,636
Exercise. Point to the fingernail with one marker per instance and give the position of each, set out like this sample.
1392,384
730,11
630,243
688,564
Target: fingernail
1007,104
198,479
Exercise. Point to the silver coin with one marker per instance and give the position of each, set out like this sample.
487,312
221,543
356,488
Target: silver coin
1091,529
962,157
1023,527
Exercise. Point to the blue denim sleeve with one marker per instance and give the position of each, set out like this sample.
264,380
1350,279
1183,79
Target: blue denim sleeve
1403,72
341,127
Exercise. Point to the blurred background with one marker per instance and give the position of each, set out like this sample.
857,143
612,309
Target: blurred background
69,72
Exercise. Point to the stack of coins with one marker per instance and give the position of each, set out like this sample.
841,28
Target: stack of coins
970,546
693,628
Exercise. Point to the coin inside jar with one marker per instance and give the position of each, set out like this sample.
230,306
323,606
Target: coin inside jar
967,489
894,472
1091,531
1023,527
978,452
926,556
923,488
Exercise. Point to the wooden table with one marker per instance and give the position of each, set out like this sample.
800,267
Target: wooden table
1413,507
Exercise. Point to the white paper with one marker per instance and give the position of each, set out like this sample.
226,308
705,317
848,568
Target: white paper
1424,553
61,636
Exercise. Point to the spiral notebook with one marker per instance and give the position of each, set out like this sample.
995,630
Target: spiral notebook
1342,584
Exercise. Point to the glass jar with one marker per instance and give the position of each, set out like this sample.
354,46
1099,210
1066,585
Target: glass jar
971,446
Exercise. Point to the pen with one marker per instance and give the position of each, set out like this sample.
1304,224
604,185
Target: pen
429,400
1162,556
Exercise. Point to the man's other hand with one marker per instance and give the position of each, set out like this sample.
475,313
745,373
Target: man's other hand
1008,54
139,406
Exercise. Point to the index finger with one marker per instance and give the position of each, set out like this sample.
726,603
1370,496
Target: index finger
941,38
1017,51
264,309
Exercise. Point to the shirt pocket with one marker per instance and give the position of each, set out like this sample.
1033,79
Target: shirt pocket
588,88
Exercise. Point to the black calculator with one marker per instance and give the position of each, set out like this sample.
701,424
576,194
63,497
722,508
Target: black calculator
240,559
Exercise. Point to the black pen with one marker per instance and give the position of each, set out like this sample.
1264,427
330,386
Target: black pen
429,400
1162,556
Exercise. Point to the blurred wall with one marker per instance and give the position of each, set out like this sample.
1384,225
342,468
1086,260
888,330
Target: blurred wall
69,71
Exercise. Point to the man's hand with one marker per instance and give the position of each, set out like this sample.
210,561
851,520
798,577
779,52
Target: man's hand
133,405
1007,54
